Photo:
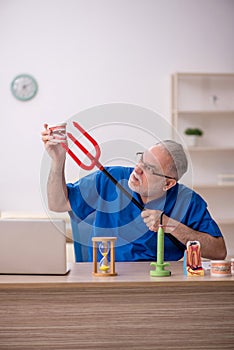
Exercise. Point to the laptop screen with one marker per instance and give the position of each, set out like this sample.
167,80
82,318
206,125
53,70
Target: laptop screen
33,246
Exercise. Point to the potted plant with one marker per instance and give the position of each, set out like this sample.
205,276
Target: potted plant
193,135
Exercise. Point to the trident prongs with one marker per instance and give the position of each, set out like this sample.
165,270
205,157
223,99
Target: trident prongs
89,137
94,159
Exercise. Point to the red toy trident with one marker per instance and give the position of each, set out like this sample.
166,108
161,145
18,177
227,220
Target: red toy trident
94,160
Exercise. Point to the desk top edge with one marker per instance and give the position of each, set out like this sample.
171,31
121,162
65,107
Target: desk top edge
130,275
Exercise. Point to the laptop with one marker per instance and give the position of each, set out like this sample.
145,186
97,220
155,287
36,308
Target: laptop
33,246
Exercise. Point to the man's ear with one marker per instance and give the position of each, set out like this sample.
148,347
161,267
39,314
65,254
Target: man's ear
169,184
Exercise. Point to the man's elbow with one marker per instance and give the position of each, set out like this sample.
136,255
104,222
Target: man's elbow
56,209
216,250
221,251
59,208
221,255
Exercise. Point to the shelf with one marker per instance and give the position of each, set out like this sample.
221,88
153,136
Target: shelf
222,221
202,74
213,186
205,112
210,149
205,94
206,101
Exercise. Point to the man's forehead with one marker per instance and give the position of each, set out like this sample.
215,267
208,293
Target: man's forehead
157,155
155,151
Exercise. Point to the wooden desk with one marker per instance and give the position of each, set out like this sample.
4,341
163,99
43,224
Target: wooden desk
129,311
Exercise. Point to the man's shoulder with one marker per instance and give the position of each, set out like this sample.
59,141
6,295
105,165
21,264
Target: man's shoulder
184,188
186,191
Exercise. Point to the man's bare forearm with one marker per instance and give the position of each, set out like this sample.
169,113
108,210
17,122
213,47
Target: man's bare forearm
211,247
57,189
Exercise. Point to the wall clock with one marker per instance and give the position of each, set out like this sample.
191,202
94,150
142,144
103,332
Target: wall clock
24,87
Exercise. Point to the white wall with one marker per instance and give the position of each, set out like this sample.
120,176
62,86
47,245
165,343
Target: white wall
85,53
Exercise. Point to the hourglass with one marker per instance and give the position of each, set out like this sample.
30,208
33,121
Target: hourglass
105,245
104,248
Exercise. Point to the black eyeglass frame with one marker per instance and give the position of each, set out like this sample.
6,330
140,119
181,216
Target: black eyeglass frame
145,165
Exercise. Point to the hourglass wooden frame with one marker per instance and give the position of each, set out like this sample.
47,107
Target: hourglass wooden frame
111,241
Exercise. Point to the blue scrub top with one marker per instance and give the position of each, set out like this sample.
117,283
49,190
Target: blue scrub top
99,208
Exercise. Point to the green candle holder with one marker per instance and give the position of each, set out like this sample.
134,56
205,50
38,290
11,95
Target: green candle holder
160,264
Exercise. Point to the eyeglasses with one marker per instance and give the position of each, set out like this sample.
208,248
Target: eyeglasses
149,168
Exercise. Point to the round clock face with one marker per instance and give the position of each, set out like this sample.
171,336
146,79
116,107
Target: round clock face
24,87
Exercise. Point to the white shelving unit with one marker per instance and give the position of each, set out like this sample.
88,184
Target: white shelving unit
206,101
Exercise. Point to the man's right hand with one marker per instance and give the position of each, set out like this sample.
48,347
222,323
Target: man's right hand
56,187
55,150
